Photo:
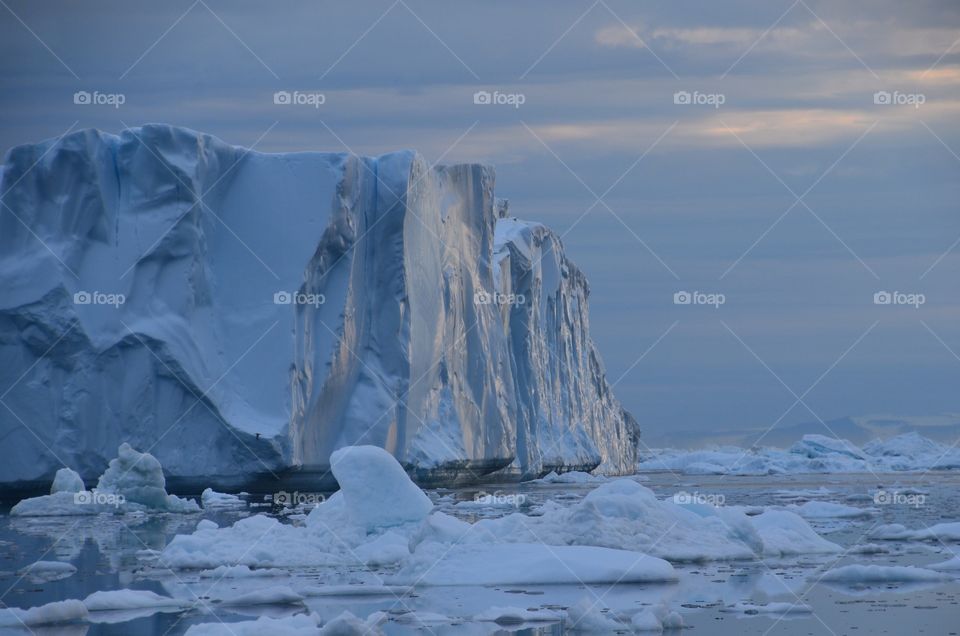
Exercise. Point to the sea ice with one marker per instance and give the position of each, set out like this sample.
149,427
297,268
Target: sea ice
881,574
52,613
44,571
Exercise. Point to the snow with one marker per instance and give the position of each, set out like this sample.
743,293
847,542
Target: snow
881,574
388,275
66,480
812,454
128,599
44,571
49,614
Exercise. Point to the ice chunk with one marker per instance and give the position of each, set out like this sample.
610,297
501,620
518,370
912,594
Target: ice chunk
273,595
781,608
784,532
297,625
210,498
586,615
139,478
49,614
882,574
830,510
128,599
516,616
240,572
66,480
897,532
376,490
530,564
43,571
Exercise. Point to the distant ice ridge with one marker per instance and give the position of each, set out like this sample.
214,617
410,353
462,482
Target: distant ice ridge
235,312
812,454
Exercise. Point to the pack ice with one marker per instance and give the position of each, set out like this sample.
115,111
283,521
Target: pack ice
235,312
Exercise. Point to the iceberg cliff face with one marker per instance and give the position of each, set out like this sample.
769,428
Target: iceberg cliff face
237,313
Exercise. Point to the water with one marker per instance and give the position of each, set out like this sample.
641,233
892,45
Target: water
105,551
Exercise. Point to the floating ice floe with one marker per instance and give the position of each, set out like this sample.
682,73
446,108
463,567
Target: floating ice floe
898,532
881,574
777,608
830,510
812,454
571,477
210,498
619,532
113,600
133,482
950,565
240,572
346,624
50,614
516,616
45,571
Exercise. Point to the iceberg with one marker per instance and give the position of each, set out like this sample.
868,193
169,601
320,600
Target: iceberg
237,314
811,454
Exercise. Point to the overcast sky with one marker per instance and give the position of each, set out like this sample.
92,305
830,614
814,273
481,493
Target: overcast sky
783,185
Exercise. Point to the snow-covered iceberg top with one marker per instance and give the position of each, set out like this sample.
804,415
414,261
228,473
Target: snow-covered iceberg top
241,313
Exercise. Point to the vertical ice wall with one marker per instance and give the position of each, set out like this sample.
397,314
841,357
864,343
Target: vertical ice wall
279,306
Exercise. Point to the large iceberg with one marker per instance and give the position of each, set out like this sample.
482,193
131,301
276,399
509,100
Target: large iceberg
237,313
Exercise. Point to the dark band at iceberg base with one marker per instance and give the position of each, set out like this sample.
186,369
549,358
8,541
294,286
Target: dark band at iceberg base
435,325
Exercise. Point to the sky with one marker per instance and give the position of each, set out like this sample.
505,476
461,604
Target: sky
777,163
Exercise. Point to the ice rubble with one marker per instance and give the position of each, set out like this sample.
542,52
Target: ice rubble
618,532
240,312
812,454
133,481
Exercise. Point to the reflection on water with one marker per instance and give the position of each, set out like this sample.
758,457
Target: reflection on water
113,552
